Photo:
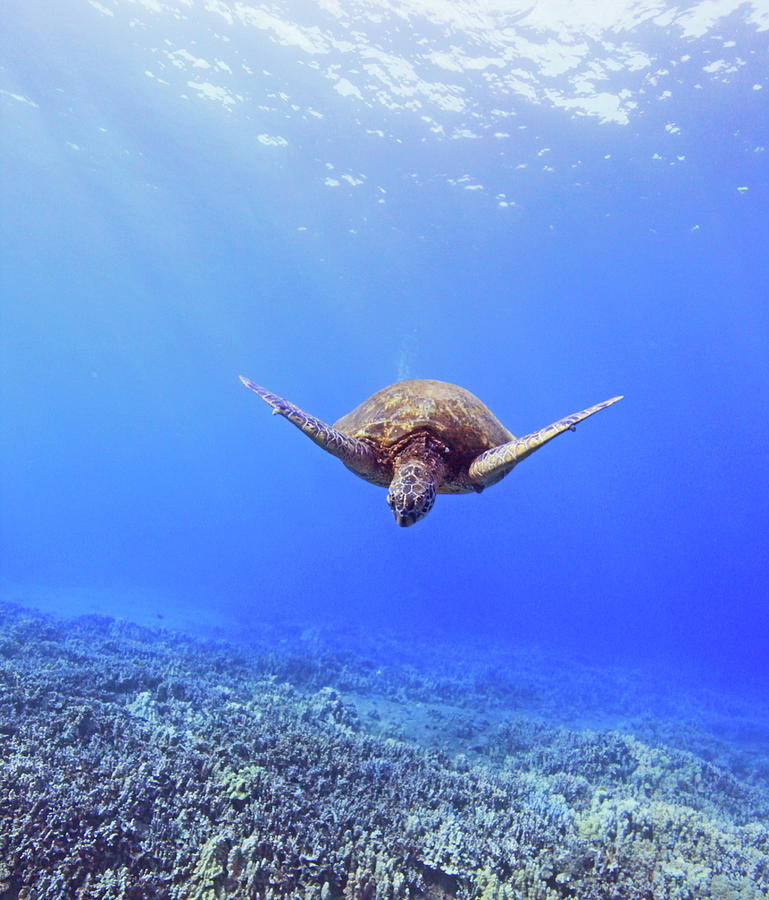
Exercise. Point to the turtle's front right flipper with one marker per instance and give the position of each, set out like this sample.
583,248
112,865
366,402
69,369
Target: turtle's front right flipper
358,455
494,464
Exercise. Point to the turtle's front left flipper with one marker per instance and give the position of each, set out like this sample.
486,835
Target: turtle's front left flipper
358,455
494,464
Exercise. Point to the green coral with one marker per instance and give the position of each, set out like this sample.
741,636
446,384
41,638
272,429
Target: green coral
208,878
244,784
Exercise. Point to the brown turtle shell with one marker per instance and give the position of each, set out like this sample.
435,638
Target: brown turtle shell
446,412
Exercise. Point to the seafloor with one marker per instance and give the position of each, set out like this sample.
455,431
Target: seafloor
300,763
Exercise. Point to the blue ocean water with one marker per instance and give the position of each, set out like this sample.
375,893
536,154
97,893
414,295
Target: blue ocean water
331,198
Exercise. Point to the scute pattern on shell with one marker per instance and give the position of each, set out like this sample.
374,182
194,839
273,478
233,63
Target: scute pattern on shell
451,415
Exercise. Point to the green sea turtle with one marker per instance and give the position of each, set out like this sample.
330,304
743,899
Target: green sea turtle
421,438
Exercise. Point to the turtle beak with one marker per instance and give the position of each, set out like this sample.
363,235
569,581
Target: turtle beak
404,516
404,519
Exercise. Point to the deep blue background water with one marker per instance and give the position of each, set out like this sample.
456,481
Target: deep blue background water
167,251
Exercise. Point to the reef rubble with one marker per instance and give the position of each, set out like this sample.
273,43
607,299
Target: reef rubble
145,765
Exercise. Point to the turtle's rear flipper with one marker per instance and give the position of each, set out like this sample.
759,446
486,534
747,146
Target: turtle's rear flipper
356,454
494,464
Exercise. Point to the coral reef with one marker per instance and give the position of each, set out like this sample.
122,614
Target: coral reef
142,764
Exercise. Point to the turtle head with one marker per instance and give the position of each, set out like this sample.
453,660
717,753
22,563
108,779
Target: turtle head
412,491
